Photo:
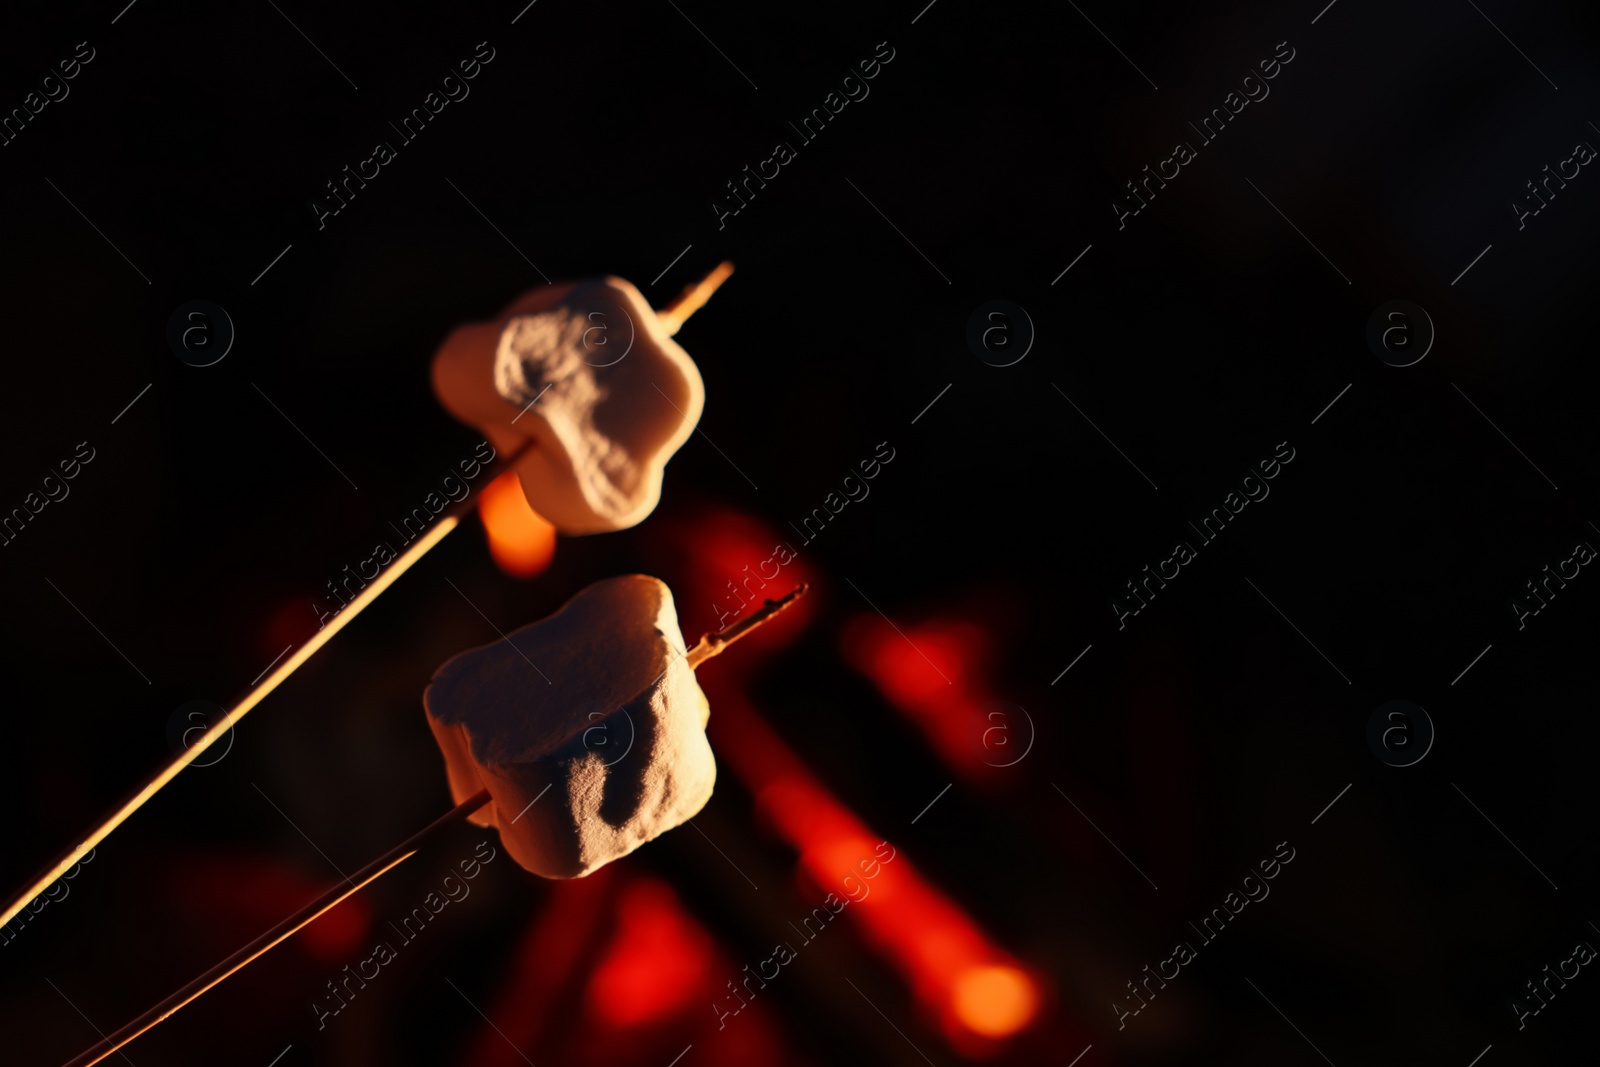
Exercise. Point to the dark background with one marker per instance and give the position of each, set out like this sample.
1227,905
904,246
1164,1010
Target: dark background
1196,338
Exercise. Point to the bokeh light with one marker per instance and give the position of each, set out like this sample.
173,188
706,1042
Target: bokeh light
522,541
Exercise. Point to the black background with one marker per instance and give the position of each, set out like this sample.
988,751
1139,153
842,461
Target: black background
1196,338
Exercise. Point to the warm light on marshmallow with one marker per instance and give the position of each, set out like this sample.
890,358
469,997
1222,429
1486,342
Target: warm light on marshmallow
587,729
588,373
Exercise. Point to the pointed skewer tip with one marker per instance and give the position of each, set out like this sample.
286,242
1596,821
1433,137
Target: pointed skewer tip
693,298
712,644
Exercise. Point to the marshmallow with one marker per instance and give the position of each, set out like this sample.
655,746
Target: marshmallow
587,729
587,371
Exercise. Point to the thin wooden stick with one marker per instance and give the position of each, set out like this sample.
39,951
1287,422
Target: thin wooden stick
693,298
709,645
677,312
284,930
402,563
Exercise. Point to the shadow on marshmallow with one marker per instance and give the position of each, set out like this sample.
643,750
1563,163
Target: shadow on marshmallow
587,729
587,372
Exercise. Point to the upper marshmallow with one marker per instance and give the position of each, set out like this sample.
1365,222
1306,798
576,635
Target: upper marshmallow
586,371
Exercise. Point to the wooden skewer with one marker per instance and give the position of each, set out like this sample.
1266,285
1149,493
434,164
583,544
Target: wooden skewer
711,645
693,298
280,933
673,316
708,646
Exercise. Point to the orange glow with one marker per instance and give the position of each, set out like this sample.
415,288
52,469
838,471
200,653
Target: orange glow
656,962
994,1001
974,989
522,541
966,985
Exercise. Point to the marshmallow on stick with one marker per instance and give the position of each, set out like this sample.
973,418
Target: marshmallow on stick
589,374
448,371
586,728
482,704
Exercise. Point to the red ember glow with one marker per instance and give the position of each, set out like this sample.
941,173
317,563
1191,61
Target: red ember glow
656,962
910,670
973,987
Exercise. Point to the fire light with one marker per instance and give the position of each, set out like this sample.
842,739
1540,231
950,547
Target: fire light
994,1001
976,990
521,540
936,674
972,989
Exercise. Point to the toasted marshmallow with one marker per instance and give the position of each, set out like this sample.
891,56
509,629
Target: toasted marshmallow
587,372
587,729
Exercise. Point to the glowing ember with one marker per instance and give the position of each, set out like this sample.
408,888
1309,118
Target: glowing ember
971,985
656,964
994,1001
521,540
